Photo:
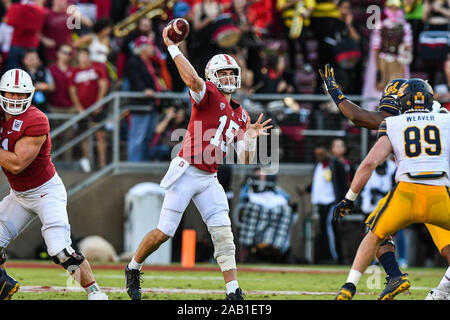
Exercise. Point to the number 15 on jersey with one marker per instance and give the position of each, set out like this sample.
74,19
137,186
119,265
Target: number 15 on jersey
230,133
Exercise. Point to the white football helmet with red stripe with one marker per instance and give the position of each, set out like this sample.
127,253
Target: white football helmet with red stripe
16,81
222,62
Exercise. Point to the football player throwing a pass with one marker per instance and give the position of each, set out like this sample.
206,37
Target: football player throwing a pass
216,122
36,188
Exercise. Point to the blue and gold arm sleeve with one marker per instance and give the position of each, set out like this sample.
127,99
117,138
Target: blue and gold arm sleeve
382,129
389,104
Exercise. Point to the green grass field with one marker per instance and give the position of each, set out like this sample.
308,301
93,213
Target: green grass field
45,281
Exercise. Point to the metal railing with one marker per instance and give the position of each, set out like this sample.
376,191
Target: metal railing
117,102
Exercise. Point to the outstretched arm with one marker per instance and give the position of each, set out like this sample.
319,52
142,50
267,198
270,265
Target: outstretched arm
362,117
353,112
187,72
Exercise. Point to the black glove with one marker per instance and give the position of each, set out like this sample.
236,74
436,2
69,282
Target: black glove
331,85
342,208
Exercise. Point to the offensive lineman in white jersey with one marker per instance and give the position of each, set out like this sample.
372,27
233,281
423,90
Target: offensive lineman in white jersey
420,141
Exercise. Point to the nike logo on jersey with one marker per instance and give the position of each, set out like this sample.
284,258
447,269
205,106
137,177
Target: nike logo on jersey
8,132
43,195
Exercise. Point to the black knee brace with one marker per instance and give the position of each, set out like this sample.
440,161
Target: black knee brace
71,261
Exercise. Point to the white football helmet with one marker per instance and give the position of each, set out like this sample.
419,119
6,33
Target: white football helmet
222,62
16,81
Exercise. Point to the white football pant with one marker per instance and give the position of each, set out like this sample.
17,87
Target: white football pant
48,202
204,189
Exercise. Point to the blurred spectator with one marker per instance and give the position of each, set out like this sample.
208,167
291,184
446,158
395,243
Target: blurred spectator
266,217
339,150
119,10
103,8
434,39
95,9
295,17
327,187
276,78
291,119
56,31
249,43
181,9
144,28
392,44
143,78
247,75
324,18
414,15
162,144
42,79
89,84
390,53
442,87
98,43
205,15
347,50
27,18
261,10
6,32
59,100
437,14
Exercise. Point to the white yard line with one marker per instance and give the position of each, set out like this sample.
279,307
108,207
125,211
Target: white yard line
38,289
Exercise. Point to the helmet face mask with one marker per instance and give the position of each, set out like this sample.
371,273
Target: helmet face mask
19,82
223,82
416,95
15,106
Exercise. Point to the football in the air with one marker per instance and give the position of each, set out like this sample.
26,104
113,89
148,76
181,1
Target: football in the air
178,30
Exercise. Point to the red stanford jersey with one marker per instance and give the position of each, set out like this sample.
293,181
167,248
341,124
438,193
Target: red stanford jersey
86,82
32,122
214,123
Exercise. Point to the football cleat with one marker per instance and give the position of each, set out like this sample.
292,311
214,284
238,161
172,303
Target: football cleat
347,292
8,285
97,295
395,286
237,295
134,279
436,294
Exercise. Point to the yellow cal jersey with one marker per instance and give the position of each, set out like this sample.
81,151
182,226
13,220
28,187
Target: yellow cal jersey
421,145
